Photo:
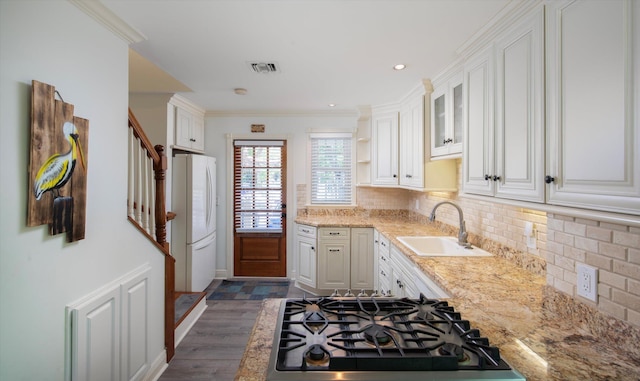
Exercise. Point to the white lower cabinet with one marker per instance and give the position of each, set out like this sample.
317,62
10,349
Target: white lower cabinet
399,277
334,258
384,266
343,258
362,259
307,258
331,258
403,274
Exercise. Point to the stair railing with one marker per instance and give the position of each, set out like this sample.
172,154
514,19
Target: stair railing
146,209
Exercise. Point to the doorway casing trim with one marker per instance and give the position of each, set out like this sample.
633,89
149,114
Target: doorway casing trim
292,260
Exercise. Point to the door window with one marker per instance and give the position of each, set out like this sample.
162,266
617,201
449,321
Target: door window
258,188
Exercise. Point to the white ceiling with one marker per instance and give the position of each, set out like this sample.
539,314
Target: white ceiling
328,51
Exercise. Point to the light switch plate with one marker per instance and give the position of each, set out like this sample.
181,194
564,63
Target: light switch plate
587,284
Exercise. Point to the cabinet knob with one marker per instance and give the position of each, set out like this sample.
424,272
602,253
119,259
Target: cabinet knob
487,177
549,179
313,248
496,178
394,176
192,140
447,141
408,176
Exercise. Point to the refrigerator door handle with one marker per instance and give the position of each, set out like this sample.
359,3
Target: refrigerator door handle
209,197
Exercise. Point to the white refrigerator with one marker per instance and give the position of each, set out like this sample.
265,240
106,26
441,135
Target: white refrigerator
193,230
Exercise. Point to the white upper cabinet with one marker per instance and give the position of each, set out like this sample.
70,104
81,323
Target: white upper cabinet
398,145
478,160
411,137
384,146
519,118
447,114
189,126
504,115
593,113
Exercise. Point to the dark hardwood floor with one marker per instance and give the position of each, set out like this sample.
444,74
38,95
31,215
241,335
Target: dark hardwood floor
213,348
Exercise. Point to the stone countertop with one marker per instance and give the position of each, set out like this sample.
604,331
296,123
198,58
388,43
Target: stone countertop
542,333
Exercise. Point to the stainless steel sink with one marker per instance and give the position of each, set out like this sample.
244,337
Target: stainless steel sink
441,246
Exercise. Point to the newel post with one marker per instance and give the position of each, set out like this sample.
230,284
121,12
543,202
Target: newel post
160,170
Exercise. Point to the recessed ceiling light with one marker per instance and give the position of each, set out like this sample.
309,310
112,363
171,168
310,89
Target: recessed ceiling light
332,105
240,91
399,67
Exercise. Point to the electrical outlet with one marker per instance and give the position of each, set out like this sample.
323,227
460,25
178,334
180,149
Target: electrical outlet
587,284
530,234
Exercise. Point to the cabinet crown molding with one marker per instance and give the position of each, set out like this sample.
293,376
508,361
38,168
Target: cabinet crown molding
186,104
511,13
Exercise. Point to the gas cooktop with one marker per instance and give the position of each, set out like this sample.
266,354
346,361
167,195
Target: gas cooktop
373,338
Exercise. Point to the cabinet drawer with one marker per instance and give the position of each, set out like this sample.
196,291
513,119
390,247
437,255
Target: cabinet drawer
334,233
307,231
384,245
383,258
384,273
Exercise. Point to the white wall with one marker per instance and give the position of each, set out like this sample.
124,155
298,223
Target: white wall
295,129
54,42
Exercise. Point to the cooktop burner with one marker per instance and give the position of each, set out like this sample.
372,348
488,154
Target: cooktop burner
372,334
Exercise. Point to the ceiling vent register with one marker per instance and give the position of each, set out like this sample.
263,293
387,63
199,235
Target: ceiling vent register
264,67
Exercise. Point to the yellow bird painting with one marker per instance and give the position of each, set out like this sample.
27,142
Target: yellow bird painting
57,170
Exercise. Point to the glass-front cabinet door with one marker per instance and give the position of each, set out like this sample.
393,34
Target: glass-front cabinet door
446,118
439,139
458,116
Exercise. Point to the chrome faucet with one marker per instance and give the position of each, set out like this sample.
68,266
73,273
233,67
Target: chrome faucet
462,235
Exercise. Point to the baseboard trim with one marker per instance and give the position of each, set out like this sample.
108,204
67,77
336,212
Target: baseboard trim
221,274
157,367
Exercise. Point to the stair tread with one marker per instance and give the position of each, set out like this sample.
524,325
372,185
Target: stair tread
185,303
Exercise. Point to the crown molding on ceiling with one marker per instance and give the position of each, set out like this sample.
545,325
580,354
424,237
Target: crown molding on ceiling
108,19
282,113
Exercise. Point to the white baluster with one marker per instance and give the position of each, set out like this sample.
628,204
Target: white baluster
152,201
138,180
144,178
130,169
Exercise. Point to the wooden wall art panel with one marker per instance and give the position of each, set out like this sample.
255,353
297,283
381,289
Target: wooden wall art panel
57,164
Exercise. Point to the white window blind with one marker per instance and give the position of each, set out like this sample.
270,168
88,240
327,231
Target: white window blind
331,169
258,186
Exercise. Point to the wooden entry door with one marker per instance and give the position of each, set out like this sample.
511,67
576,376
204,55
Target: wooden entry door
260,244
